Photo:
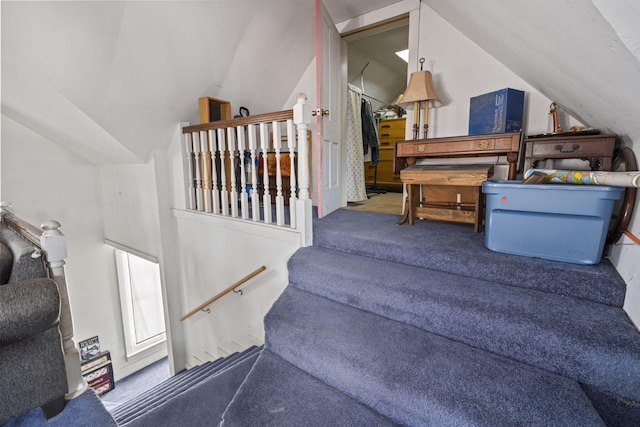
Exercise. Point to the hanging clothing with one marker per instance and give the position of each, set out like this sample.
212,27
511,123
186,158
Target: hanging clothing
369,132
354,180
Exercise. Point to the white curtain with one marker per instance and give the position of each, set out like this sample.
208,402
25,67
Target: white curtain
354,182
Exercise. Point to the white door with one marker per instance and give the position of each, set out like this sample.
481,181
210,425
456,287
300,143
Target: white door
328,76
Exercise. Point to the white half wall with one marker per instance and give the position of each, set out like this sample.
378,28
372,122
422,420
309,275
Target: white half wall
214,254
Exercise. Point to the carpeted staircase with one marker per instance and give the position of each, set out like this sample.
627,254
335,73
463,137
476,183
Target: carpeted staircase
421,325
196,397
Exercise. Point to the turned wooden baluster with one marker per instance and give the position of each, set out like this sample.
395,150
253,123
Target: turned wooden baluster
277,145
215,189
198,167
224,193
206,170
266,195
293,193
231,142
188,144
255,200
244,196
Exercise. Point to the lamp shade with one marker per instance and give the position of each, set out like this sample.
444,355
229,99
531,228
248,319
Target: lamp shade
420,88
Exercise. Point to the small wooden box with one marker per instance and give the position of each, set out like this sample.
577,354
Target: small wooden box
212,109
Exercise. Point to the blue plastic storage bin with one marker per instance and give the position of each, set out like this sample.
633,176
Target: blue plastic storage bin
552,221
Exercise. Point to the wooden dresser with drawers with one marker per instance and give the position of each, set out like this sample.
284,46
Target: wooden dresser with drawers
389,131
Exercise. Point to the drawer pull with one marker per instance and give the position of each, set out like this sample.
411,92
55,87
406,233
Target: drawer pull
385,135
574,147
484,143
385,143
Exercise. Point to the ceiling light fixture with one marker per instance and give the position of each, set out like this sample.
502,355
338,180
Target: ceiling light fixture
404,54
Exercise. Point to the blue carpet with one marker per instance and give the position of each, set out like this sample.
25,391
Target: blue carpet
455,248
423,325
136,384
414,377
85,410
418,326
592,343
278,394
200,404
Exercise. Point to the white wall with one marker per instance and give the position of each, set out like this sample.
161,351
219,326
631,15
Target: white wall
44,181
462,70
215,253
625,255
130,206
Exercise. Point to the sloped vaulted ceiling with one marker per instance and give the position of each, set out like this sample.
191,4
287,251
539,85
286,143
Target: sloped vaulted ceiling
569,50
123,74
110,80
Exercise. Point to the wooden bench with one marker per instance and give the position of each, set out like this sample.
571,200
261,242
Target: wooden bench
449,193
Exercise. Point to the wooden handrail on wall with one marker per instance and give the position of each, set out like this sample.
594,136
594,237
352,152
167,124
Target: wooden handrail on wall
223,293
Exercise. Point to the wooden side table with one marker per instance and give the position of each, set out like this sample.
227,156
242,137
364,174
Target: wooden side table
595,149
467,179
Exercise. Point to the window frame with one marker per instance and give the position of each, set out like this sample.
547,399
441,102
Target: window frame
132,348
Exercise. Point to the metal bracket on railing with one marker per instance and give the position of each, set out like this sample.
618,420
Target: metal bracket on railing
239,291
206,310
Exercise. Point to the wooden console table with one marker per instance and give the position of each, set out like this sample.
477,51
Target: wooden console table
407,152
595,149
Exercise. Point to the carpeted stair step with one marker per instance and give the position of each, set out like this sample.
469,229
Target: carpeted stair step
414,377
176,385
592,343
277,393
201,404
180,380
454,248
187,375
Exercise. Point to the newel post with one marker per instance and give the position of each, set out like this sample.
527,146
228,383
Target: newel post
54,246
302,119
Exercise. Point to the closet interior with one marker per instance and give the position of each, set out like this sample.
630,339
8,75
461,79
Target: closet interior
377,76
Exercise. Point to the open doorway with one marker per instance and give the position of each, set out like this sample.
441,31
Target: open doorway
378,74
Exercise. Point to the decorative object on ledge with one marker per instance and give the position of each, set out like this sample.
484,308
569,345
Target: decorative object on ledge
212,109
420,89
553,125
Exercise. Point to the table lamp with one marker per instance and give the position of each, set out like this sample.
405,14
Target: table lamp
420,89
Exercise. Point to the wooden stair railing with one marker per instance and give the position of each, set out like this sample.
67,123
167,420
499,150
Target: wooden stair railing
227,170
223,293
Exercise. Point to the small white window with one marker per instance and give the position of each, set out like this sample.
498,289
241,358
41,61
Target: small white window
141,302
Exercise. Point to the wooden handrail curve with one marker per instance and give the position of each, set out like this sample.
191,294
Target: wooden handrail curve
276,116
223,293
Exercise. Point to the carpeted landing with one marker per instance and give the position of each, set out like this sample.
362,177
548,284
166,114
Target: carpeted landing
419,326
422,326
